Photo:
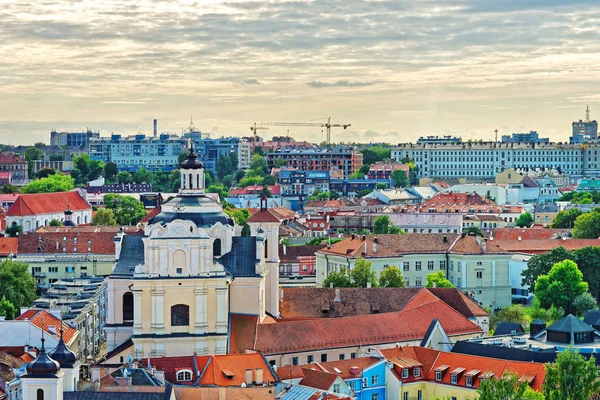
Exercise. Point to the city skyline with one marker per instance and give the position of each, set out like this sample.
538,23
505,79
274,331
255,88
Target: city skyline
394,70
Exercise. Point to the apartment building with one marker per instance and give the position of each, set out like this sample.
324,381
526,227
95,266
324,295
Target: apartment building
210,150
17,167
72,139
485,160
340,161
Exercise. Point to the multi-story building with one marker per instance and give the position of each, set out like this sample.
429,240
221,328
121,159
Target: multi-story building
531,137
17,166
439,139
301,184
353,187
58,166
583,131
210,150
72,139
340,161
81,303
485,160
131,153
384,170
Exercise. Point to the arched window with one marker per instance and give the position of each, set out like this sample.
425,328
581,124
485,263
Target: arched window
128,307
180,315
217,247
184,375
40,394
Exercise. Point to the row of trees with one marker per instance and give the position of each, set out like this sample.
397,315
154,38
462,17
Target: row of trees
17,288
592,197
586,225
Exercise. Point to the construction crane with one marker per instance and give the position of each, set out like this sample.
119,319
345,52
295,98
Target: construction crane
255,128
328,125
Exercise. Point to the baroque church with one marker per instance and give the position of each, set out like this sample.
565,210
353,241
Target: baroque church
174,288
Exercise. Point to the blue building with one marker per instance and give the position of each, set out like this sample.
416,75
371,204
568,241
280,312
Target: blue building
531,137
210,150
347,187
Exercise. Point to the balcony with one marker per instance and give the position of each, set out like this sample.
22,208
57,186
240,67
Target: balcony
39,274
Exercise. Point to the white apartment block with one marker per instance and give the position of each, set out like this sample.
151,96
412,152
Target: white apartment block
484,160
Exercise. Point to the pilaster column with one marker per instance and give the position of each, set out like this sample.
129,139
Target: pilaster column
201,325
158,311
137,312
222,310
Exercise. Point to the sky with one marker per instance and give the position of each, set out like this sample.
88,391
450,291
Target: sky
394,70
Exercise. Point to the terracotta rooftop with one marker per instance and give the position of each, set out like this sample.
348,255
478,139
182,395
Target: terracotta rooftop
293,252
67,242
235,192
346,368
170,366
318,379
44,320
9,158
229,370
525,234
7,364
8,246
47,203
542,246
275,214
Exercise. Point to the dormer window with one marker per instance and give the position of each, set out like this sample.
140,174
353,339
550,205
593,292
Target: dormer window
417,372
440,371
438,376
404,373
184,375
468,381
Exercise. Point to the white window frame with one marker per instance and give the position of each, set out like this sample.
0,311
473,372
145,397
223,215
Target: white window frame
417,372
404,373
181,375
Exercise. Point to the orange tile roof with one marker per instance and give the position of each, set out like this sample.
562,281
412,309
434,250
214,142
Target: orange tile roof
47,203
345,366
524,234
43,320
318,379
8,246
170,366
542,246
265,216
242,331
229,370
73,242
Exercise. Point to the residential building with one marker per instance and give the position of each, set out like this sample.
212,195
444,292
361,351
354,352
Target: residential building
340,161
72,139
548,190
364,205
301,184
383,170
17,166
439,139
353,187
32,211
58,166
100,186
410,195
8,199
250,197
58,253
485,160
131,153
544,213
81,303
11,370
583,131
298,260
588,185
280,143
427,222
210,150
531,137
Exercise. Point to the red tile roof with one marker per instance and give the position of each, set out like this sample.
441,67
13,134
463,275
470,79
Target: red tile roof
525,234
9,158
266,215
459,301
293,252
346,368
235,192
8,246
151,214
47,203
44,320
229,370
318,379
9,197
242,331
72,241
542,246
170,366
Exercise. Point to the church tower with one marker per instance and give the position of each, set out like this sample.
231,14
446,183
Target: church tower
69,365
44,379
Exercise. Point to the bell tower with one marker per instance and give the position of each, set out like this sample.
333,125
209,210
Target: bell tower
192,174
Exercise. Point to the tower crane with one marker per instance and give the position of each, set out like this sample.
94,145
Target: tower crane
255,128
328,125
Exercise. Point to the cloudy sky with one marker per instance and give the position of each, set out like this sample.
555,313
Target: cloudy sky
395,69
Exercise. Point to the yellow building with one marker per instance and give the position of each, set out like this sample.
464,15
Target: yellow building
174,288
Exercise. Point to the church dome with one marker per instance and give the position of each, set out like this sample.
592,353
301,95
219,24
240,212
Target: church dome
43,364
62,354
191,161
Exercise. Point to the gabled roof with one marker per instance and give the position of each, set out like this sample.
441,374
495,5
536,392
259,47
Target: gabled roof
8,245
525,234
349,368
73,242
506,328
47,203
171,365
591,317
44,320
241,260
293,252
229,370
459,301
82,395
266,215
318,379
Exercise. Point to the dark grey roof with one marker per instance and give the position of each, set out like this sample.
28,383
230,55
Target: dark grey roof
132,254
570,324
139,377
538,321
504,353
429,332
125,345
113,396
241,260
506,328
592,317
198,218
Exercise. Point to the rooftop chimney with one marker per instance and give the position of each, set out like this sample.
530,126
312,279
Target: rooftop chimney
284,250
337,295
434,283
369,285
248,377
259,376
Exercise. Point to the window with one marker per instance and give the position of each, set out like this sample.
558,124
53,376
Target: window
404,373
457,282
184,375
352,355
374,380
417,265
442,264
52,269
342,356
454,379
458,265
430,265
406,266
127,307
438,375
294,360
469,381
418,281
405,396
420,395
217,247
180,315
323,357
417,372
479,263
451,265
479,274
310,359
375,396
179,270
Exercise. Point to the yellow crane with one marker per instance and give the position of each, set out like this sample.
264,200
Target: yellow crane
328,125
255,128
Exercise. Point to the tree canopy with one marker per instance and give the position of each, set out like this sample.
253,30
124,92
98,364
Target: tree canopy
7,309
373,154
337,279
587,225
561,286
525,220
363,273
399,178
571,377
53,183
391,277
104,217
473,231
126,209
439,278
383,225
16,283
566,218
506,387
110,171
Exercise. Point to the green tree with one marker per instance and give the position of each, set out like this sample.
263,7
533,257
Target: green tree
440,280
399,178
588,260
53,183
7,309
566,218
182,157
506,387
142,175
96,168
280,162
540,264
473,231
265,192
587,226
524,220
383,225
269,180
259,165
228,181
32,154
364,170
571,377
45,172
126,209
55,222
583,303
104,217
124,177
363,273
334,194
174,181
258,150
16,283
391,277
14,230
582,198
363,192
246,230
337,279
110,171
9,189
373,154
513,313
560,286
220,189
